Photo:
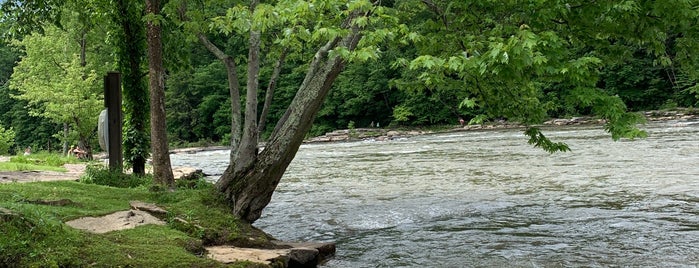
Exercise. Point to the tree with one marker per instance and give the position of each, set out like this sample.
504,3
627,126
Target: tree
336,28
162,169
130,44
56,82
7,140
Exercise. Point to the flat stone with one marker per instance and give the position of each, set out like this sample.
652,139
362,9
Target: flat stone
230,254
121,220
150,208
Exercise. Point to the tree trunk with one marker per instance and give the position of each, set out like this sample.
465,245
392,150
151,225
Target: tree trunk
130,53
247,152
162,169
66,131
250,189
233,89
84,144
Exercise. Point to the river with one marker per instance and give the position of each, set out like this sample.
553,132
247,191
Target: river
488,199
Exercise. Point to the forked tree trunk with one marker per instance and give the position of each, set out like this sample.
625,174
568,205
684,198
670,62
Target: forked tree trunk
250,189
162,168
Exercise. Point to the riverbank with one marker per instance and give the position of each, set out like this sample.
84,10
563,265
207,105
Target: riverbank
385,134
73,224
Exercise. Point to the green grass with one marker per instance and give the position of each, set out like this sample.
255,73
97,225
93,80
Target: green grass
39,238
41,161
11,166
45,159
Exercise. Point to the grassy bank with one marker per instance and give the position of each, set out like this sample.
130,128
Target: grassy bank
42,161
37,236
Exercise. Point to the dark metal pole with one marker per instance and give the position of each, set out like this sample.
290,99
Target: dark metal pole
112,99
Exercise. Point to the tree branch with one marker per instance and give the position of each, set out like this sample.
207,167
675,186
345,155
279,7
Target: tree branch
271,86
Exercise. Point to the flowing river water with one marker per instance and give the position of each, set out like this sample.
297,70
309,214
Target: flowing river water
488,199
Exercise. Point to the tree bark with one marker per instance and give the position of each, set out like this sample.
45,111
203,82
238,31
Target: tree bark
66,130
247,152
162,169
250,189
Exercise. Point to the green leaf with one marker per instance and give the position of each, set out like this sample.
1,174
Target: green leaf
537,138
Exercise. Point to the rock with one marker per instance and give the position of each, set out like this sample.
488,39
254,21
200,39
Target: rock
230,254
325,250
150,208
339,138
303,257
116,221
392,133
187,173
289,254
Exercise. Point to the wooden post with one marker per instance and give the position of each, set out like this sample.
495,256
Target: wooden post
112,100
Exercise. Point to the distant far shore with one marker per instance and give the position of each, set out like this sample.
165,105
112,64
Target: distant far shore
385,134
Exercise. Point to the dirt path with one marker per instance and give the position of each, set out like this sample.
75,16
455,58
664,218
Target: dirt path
74,172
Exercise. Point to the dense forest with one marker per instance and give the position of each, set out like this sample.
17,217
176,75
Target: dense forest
51,92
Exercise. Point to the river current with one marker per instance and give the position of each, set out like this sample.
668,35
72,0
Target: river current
488,199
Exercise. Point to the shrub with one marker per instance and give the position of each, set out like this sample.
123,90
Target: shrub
96,174
7,140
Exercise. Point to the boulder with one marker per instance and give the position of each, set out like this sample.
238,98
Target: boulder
325,250
187,173
303,257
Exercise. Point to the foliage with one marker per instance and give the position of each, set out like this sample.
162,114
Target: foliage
525,60
100,175
29,130
129,42
7,140
538,139
56,85
198,104
21,17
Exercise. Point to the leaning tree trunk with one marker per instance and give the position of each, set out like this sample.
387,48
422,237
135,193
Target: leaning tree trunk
162,169
249,189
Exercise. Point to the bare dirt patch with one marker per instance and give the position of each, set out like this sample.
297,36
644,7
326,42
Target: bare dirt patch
116,221
74,172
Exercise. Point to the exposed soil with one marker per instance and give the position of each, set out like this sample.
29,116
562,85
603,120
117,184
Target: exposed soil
74,172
